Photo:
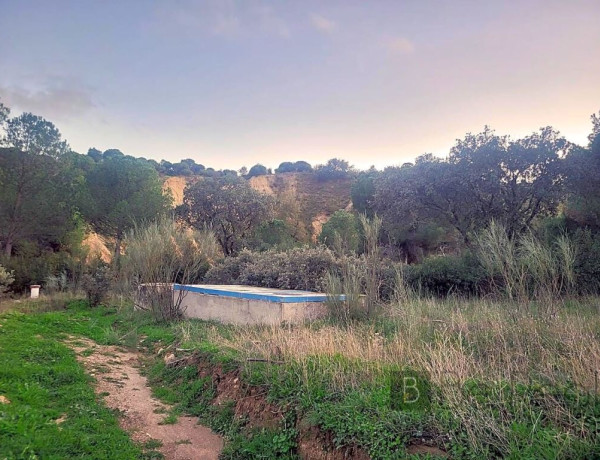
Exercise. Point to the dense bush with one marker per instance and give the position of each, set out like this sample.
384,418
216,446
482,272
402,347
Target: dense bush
443,275
96,282
6,279
301,268
272,234
587,262
341,231
32,266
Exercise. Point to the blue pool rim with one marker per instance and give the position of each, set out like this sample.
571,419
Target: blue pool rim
253,295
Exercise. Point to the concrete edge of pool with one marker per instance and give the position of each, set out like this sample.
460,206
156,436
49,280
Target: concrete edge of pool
249,305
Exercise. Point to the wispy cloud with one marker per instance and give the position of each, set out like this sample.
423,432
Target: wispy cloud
322,24
57,98
399,45
271,23
221,18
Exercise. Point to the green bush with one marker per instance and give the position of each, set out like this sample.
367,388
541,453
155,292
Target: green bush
96,282
334,169
6,279
300,268
30,265
587,261
273,234
444,275
341,231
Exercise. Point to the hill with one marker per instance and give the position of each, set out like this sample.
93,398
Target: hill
301,200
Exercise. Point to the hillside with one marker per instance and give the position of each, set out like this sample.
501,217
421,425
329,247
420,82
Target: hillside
301,200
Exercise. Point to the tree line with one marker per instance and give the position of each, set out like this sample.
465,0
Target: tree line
50,196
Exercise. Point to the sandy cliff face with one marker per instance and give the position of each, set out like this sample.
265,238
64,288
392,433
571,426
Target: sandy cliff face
97,247
176,186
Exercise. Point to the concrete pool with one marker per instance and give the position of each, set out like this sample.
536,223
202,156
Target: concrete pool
241,305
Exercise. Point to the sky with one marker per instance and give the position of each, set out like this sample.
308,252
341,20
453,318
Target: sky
234,83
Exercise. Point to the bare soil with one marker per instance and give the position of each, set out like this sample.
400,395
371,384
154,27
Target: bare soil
119,380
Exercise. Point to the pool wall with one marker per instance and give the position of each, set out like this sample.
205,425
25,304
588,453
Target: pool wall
250,307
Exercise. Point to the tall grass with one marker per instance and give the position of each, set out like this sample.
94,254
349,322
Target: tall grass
526,268
454,342
163,253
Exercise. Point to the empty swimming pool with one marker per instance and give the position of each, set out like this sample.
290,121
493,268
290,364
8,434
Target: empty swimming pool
235,304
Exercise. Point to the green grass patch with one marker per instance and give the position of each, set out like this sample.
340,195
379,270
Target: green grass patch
44,382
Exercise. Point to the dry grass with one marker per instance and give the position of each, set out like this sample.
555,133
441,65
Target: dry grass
453,342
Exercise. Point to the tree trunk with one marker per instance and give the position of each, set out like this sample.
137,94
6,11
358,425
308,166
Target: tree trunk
117,254
8,248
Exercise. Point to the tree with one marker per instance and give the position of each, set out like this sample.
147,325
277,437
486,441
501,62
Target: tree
33,134
486,177
298,166
341,231
286,166
334,169
229,206
273,234
595,128
124,191
257,170
363,191
302,166
4,112
94,154
37,199
583,181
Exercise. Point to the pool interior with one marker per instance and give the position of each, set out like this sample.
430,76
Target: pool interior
254,293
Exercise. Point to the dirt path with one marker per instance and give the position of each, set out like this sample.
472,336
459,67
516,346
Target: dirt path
117,373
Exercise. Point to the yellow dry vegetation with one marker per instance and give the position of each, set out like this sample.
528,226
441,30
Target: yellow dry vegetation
97,247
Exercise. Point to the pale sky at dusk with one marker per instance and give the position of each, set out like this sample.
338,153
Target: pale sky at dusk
234,83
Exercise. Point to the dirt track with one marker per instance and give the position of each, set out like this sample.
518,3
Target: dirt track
117,373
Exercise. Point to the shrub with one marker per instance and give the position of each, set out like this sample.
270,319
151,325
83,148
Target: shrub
30,265
163,253
341,232
96,282
587,261
444,275
273,234
6,279
300,268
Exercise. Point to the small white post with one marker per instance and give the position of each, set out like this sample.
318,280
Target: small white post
35,291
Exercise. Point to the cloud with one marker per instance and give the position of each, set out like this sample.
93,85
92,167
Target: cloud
270,23
57,99
220,18
400,45
322,24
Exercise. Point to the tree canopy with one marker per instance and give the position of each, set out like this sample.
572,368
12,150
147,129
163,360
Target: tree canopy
33,134
229,206
123,191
